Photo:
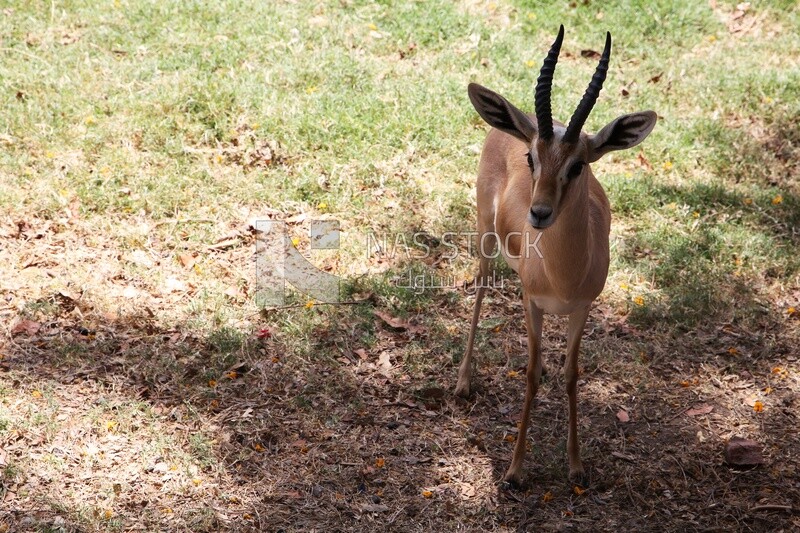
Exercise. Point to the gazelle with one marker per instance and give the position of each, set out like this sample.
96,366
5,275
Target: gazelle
534,177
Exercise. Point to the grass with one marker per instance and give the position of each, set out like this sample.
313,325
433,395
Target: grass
135,137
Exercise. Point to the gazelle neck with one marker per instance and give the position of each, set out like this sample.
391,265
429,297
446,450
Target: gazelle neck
565,246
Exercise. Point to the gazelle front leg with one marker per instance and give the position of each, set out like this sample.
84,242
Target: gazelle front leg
577,321
533,323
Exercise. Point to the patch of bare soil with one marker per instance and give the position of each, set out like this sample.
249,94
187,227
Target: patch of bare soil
112,418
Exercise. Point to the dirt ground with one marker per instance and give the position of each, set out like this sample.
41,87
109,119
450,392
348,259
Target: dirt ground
110,420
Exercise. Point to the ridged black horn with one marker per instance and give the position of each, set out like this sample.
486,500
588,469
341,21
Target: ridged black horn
544,115
590,96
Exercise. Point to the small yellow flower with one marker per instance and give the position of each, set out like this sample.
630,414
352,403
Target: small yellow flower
110,425
90,120
624,286
758,406
532,16
711,38
218,159
696,214
295,241
108,514
791,311
530,63
638,301
36,394
778,199
322,206
371,26
309,304
767,100
197,481
255,126
667,165
748,201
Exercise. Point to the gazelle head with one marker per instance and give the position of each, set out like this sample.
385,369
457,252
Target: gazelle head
558,156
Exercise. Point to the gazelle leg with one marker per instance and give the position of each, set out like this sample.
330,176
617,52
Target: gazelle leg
533,323
485,249
577,321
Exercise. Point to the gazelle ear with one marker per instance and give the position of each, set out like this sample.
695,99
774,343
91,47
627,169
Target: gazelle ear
500,113
621,133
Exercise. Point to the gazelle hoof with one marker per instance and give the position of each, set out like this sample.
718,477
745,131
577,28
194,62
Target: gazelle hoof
578,477
513,480
462,390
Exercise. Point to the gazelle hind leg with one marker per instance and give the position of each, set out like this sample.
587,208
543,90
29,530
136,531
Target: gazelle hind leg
487,241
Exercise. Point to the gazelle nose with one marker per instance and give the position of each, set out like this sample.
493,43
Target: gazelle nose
539,215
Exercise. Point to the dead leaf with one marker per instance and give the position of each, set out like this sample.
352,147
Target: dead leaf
591,54
223,245
701,409
233,292
374,508
622,416
361,353
187,260
399,323
28,327
384,362
644,162
656,78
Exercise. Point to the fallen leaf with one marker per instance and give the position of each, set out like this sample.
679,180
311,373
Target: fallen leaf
361,353
28,327
644,162
622,416
374,508
399,323
384,362
591,54
187,260
702,409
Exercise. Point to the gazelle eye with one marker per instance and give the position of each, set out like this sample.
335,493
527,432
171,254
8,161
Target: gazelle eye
575,170
530,161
